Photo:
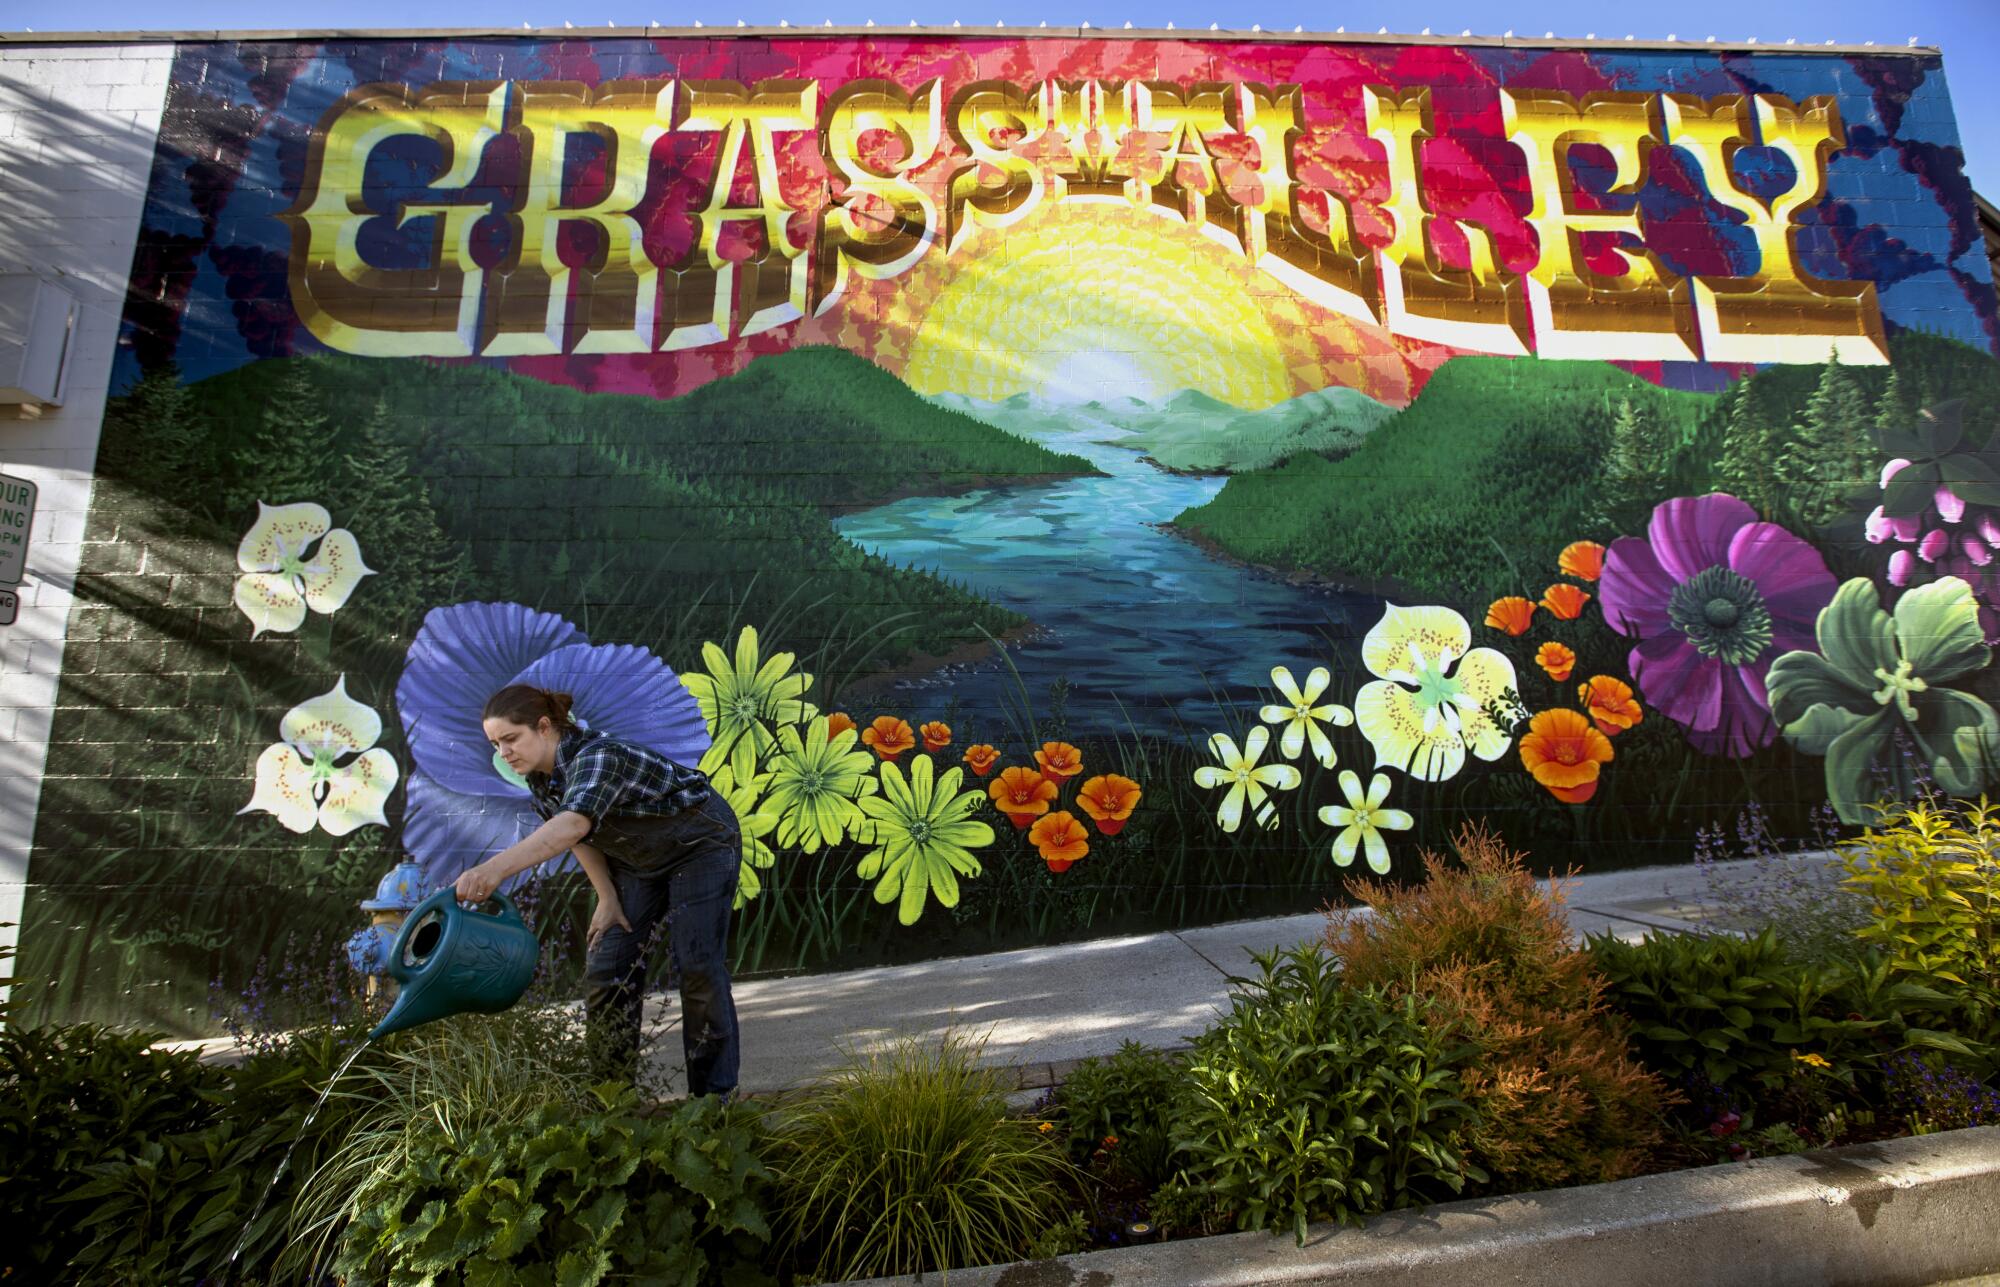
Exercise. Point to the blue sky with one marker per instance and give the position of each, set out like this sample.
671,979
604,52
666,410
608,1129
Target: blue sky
1968,31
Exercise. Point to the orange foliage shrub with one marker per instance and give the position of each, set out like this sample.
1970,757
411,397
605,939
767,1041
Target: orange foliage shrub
1560,1098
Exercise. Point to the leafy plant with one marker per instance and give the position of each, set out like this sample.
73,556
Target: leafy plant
906,1161
73,1098
1069,1234
570,1195
1930,875
1559,1099
1315,1100
1128,1097
453,1079
1738,1010
173,1208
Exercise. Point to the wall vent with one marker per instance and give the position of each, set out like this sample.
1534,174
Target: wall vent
37,320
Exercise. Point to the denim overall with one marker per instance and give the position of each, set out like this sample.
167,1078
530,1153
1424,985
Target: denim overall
682,868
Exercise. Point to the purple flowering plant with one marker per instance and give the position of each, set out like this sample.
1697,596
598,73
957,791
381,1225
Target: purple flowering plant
1931,1095
1713,596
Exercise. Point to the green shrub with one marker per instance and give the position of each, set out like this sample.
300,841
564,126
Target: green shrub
906,1161
1737,1011
1129,1098
1930,877
1560,1099
570,1195
1314,1100
173,1208
454,1078
73,1098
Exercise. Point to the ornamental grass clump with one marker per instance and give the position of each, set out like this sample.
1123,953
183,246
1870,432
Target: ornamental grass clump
1559,1099
906,1161
1315,1100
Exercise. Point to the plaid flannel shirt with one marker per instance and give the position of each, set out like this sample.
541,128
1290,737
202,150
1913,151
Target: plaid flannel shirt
596,775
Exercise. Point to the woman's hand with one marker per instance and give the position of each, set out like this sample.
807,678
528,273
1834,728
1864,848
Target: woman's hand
478,884
608,914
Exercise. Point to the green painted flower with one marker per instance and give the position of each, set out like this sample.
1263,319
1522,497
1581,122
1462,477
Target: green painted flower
924,832
814,783
1882,681
755,820
744,700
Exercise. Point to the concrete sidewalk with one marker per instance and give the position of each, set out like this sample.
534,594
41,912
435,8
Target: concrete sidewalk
1041,1009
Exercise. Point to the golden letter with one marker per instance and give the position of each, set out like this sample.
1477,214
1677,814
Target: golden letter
1181,171
348,303
1778,313
1640,314
1332,269
1477,308
618,295
774,289
977,111
854,239
1093,121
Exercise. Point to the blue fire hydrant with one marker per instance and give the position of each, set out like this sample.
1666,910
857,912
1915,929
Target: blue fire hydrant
401,889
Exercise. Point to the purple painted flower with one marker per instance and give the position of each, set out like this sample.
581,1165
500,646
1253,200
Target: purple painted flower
462,805
1713,596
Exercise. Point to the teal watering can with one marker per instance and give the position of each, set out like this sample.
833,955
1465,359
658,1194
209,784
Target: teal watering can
450,959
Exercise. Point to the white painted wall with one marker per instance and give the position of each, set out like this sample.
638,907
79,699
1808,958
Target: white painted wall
77,127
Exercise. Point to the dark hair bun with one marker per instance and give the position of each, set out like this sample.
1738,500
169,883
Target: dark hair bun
528,706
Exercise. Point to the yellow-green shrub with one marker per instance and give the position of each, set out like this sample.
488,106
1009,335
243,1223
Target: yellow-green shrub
1930,874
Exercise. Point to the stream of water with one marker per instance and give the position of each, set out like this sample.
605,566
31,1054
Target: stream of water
285,1162
1148,628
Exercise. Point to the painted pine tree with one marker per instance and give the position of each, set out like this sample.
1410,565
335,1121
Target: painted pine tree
1833,453
389,508
289,453
1637,458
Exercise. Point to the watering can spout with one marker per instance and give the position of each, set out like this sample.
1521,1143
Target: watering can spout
451,959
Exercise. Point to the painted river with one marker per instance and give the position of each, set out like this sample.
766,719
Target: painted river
1148,629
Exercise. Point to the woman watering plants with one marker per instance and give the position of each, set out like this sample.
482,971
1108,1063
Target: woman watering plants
655,841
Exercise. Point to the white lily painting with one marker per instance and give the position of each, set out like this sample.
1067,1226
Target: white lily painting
293,559
327,772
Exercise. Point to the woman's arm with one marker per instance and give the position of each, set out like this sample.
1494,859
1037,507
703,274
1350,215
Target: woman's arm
598,868
559,833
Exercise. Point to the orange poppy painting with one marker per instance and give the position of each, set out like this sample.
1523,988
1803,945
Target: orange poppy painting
1610,704
1564,752
1060,839
1109,800
1565,601
1512,615
1022,794
889,736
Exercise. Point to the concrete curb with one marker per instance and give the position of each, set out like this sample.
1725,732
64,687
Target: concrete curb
1909,1211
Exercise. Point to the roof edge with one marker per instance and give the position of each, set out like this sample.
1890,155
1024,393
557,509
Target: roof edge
19,39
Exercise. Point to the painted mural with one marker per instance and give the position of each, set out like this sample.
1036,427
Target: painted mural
1056,487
